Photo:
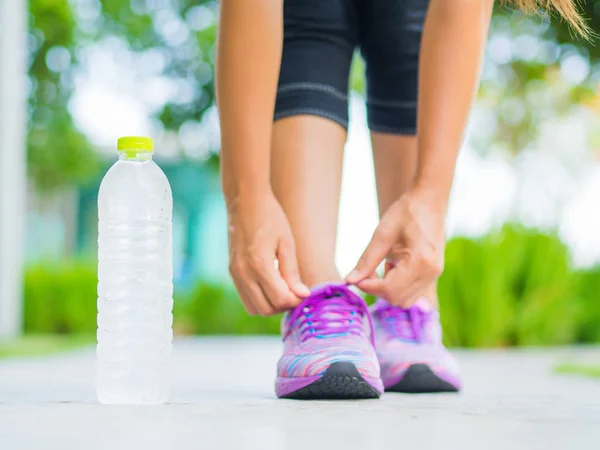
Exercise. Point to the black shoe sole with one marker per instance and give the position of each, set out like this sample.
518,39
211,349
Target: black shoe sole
341,381
420,379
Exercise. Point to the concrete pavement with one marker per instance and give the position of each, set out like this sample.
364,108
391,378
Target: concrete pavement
222,398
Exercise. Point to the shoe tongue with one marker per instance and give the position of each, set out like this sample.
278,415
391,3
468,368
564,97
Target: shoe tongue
321,286
406,329
422,303
334,307
334,318
380,304
402,318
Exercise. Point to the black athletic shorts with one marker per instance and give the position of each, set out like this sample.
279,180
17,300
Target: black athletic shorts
320,37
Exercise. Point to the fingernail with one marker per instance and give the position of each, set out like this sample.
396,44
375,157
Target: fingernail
302,288
352,277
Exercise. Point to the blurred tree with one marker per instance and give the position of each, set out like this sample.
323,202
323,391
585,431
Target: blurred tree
536,69
182,31
57,152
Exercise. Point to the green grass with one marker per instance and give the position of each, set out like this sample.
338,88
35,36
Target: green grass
35,345
579,369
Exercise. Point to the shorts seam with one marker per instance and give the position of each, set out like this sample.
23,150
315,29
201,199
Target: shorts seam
311,111
310,35
391,130
301,86
377,102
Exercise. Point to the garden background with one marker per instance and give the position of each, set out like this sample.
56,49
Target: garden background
523,257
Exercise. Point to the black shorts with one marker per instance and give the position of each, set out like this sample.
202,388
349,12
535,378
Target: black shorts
320,37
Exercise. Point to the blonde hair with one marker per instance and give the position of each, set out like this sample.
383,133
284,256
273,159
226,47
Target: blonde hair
566,8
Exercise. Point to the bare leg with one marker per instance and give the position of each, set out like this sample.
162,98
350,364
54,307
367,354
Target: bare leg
395,159
306,175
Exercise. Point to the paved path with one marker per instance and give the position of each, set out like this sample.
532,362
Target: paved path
223,398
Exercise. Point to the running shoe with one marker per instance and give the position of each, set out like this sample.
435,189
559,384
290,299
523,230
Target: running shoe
410,350
328,348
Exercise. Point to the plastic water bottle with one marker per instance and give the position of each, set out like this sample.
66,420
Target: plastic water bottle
135,278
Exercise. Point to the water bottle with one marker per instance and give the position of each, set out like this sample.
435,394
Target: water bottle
135,278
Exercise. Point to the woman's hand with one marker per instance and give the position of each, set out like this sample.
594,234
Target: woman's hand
260,235
410,237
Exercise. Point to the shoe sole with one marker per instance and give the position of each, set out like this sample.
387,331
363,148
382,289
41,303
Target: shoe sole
341,381
420,379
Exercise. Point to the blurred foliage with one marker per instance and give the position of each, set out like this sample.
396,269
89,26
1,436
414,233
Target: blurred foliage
182,31
536,70
181,35
34,345
60,298
588,282
512,287
210,309
57,152
585,370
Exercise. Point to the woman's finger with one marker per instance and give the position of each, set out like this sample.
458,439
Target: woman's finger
240,283
276,290
392,286
382,241
288,267
259,300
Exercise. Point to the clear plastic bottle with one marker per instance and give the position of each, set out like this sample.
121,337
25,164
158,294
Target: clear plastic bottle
135,278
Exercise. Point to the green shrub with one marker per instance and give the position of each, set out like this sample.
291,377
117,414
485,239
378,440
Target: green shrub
511,287
545,301
60,298
474,303
587,291
211,309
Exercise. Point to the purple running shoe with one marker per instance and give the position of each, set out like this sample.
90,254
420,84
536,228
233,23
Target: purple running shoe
410,350
328,348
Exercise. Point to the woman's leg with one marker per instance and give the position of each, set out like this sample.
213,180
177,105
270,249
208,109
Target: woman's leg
395,159
391,50
306,173
309,132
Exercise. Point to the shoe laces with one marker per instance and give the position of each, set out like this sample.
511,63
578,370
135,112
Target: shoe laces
407,324
330,311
